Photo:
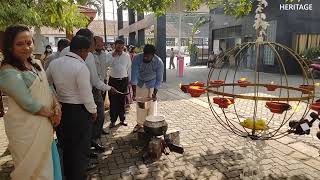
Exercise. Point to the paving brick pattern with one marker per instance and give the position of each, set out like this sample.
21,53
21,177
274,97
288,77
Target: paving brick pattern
211,152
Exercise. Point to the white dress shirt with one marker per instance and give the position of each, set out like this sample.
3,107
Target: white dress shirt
94,77
71,77
101,64
120,66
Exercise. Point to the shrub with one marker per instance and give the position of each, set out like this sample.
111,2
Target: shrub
312,53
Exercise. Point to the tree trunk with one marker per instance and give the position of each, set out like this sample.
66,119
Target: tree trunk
1,101
1,41
69,35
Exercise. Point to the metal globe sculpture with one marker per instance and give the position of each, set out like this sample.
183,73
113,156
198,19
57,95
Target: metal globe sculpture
249,104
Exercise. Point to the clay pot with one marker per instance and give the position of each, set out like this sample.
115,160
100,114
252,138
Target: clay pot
243,83
216,83
278,107
315,106
276,110
271,87
223,102
196,92
306,89
184,88
201,84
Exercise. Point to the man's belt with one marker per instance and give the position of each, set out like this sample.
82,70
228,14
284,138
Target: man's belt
119,79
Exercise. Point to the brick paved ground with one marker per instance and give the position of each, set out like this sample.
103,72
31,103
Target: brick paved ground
211,152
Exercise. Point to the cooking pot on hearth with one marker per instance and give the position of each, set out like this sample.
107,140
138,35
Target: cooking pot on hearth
155,125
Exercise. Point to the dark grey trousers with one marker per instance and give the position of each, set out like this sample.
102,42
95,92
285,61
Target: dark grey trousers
76,124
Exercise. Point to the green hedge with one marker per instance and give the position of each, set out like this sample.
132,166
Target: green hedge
312,53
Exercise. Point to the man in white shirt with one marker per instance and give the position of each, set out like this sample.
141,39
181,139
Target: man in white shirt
120,72
101,65
97,84
71,78
90,62
100,56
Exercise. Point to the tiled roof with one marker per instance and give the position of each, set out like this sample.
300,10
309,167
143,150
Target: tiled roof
96,26
84,9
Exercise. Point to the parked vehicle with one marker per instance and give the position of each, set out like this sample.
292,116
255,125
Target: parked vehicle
314,68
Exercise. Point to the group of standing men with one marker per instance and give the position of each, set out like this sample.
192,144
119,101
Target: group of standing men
78,73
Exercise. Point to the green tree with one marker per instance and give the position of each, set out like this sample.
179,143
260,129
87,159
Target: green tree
199,23
159,7
14,12
60,14
312,53
192,48
236,8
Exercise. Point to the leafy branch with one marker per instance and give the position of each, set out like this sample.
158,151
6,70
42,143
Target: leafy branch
60,14
237,8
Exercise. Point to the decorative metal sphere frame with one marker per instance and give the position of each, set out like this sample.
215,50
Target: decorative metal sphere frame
224,91
223,86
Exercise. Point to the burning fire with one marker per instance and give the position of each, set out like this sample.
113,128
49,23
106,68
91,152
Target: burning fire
228,101
272,82
194,87
317,84
180,85
243,79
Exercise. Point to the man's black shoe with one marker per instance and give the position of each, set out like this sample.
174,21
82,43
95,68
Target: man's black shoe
112,125
98,147
123,123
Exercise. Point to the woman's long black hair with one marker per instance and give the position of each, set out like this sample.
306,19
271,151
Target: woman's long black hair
9,35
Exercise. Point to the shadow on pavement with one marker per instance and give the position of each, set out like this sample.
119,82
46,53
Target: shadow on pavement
5,170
